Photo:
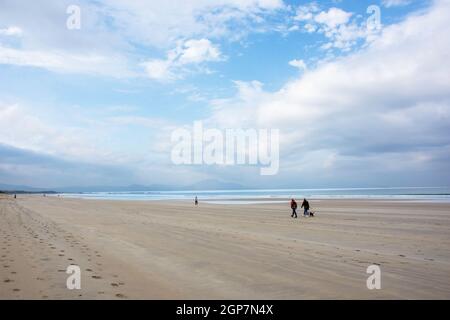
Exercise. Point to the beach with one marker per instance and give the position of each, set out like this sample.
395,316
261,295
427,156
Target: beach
175,250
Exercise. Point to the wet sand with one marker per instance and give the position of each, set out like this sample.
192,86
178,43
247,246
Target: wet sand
174,250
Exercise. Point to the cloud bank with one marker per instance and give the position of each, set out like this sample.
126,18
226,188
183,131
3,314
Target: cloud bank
384,109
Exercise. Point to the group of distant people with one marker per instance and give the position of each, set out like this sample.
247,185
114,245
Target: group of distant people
305,206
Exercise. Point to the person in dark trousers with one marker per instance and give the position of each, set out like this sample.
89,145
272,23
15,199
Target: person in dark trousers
196,201
294,208
305,206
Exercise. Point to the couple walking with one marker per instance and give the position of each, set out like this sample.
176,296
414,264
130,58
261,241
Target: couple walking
305,206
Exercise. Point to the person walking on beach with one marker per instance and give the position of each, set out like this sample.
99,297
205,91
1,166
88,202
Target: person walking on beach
196,201
294,208
305,206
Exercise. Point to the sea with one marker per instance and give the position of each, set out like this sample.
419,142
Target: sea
421,194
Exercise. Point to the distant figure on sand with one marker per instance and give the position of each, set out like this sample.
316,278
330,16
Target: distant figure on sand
305,206
15,196
196,201
294,208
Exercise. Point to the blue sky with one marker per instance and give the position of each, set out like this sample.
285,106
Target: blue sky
356,106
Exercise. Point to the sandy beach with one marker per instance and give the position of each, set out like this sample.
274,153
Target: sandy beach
174,250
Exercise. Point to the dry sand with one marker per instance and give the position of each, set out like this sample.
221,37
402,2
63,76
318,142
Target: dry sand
160,250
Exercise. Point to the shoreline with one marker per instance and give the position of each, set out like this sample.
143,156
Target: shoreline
268,200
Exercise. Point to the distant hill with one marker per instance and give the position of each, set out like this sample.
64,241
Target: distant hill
210,184
7,188
20,188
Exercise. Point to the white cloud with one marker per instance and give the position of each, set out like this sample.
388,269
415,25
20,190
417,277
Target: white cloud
66,62
249,96
11,31
197,51
23,130
343,30
395,3
159,69
310,28
300,64
187,53
333,18
306,12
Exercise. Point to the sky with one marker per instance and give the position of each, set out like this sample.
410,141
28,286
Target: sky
358,101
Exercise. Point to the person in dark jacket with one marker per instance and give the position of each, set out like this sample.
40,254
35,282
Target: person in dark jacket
305,206
294,208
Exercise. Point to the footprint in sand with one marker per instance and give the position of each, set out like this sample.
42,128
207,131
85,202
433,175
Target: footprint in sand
96,277
120,295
